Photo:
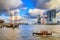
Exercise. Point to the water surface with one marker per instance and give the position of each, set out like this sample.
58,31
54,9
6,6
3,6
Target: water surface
24,32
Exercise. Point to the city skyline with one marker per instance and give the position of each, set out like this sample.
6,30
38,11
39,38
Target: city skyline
28,8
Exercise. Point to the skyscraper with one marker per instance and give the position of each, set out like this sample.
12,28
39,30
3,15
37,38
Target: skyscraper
51,16
39,19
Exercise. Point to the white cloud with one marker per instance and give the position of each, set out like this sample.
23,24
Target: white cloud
12,12
41,4
36,11
58,14
7,4
54,4
47,4
24,8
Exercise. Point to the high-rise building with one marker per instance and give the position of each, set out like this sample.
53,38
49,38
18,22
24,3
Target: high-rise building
39,19
51,14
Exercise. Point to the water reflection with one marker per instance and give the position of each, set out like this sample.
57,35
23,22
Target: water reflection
24,32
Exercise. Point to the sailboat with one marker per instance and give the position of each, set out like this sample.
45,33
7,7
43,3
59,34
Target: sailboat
14,18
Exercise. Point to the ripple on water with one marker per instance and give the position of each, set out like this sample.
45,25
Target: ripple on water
24,32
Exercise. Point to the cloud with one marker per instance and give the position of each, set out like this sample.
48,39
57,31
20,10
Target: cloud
35,12
23,8
16,12
54,4
47,4
9,4
58,14
41,4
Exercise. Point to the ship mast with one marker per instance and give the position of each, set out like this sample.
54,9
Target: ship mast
14,16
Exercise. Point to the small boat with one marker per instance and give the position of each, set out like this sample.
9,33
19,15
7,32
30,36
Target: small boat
43,33
12,25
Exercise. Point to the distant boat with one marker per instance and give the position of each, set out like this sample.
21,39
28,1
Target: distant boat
1,21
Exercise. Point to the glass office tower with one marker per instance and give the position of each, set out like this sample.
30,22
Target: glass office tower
39,19
51,16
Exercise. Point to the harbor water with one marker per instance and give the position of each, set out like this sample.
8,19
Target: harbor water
25,32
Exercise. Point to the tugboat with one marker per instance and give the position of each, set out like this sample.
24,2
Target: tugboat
43,33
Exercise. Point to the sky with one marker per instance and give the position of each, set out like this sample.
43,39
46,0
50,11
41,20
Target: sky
23,10
37,6
28,6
